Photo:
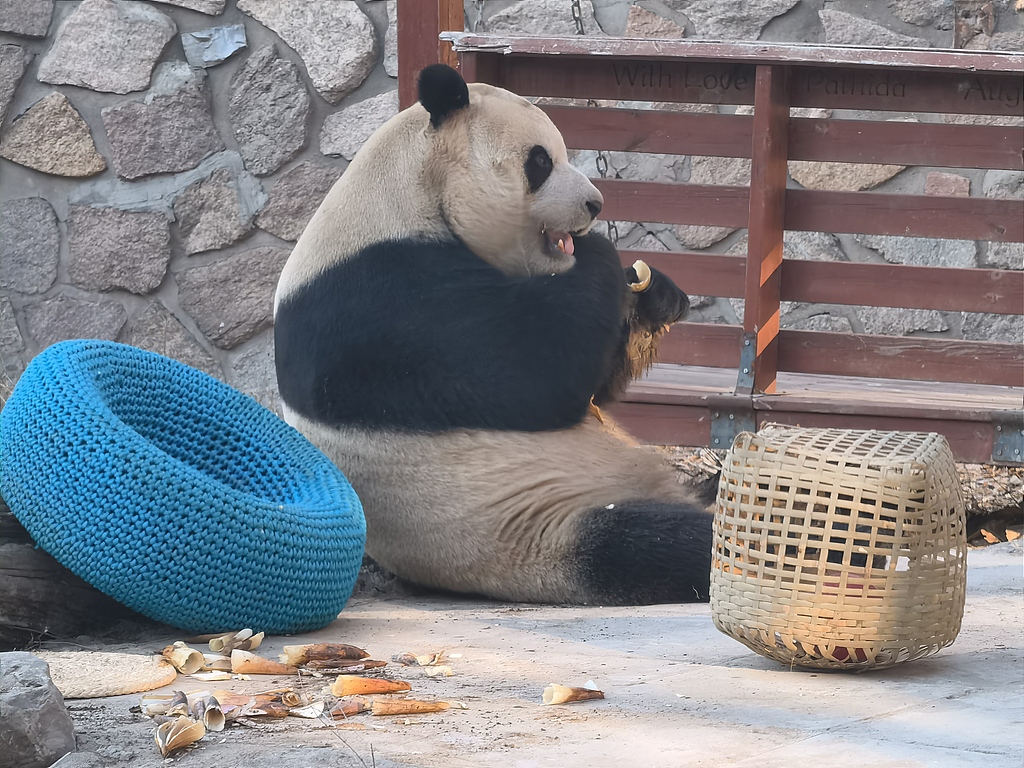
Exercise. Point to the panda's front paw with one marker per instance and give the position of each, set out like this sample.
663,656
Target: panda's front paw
658,301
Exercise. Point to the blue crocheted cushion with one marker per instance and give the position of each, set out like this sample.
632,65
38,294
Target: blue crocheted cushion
175,494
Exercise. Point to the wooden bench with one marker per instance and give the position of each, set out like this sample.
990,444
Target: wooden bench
714,380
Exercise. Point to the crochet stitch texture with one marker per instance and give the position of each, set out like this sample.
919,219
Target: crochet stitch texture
175,494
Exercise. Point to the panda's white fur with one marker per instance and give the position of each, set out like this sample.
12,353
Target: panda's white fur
512,514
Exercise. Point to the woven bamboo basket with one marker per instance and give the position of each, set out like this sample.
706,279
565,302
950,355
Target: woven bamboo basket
839,549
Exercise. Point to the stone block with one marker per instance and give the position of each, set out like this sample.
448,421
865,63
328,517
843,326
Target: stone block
947,185
29,245
644,23
50,136
62,318
157,330
255,372
712,170
852,177
550,18
233,300
11,340
171,130
107,45
269,108
345,131
30,18
12,67
212,213
110,249
209,7
391,40
1008,185
843,28
294,198
336,41
35,729
892,321
922,251
726,20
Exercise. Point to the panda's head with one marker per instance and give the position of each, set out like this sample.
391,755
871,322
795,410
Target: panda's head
502,176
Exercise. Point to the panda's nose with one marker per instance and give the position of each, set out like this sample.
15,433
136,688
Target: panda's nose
593,208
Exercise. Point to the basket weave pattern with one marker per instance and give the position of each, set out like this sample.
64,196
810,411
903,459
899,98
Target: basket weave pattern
839,548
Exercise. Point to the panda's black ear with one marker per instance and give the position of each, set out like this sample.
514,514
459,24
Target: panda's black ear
442,91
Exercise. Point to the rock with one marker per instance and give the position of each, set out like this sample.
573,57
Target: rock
549,18
50,136
1012,40
294,199
26,17
255,373
1003,120
846,29
841,176
1005,255
82,760
213,212
1005,184
985,327
233,300
157,330
823,322
947,185
158,193
1008,185
644,23
107,45
12,67
35,730
923,13
727,171
209,7
717,20
110,249
922,251
391,39
62,318
890,321
344,132
209,47
171,130
269,108
811,246
29,245
11,340
335,40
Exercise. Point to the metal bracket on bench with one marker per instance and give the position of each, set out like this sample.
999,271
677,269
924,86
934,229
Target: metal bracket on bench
1008,442
730,415
745,374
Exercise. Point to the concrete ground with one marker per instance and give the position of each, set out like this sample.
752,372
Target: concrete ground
678,693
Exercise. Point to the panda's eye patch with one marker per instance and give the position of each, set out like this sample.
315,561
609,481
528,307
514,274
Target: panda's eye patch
538,167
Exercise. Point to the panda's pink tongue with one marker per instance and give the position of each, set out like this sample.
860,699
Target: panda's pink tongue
564,242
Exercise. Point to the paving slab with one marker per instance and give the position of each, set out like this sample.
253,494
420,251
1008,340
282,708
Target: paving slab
678,693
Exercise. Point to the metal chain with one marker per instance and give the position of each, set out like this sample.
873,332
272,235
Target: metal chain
577,16
479,5
601,160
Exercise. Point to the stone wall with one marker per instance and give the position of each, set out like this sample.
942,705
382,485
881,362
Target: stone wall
158,159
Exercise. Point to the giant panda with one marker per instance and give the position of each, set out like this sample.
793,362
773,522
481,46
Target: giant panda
446,331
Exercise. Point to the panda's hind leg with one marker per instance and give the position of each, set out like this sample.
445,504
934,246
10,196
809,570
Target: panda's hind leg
644,552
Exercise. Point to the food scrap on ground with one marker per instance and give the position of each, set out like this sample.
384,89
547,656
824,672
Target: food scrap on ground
183,719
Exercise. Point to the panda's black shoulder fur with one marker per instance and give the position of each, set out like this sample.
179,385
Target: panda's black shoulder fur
426,336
